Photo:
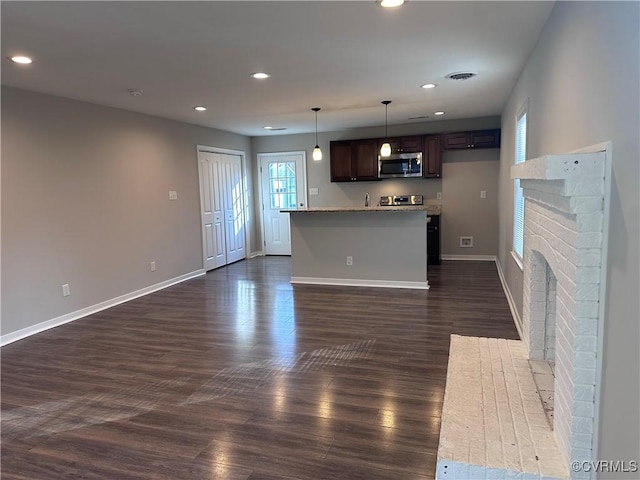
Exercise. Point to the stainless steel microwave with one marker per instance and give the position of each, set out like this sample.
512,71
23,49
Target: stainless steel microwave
400,165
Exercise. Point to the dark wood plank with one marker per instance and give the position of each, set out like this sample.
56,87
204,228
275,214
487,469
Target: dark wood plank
240,375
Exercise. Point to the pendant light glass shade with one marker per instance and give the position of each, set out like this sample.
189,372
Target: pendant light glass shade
317,153
385,150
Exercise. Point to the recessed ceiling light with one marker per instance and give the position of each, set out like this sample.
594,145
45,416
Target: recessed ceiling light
21,59
200,108
391,3
135,92
269,127
260,75
439,113
428,85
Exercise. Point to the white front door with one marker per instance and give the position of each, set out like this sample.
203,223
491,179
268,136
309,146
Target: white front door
222,207
283,186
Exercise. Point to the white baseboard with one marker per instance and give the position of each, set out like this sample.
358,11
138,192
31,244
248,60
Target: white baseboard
482,258
259,253
70,317
353,282
512,305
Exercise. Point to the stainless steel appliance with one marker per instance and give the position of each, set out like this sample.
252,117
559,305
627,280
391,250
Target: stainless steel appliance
433,240
400,165
395,200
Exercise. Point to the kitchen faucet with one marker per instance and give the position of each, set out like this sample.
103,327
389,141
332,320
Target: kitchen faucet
367,199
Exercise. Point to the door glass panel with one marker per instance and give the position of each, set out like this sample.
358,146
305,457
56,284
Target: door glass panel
282,185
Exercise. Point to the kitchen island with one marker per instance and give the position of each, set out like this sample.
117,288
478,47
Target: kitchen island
360,246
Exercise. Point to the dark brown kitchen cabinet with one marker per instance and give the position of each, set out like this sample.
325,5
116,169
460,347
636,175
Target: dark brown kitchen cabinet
403,144
432,157
473,139
353,160
340,161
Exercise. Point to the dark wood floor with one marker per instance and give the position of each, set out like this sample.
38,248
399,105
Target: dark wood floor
240,375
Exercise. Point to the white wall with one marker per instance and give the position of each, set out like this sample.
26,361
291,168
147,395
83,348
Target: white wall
85,202
582,83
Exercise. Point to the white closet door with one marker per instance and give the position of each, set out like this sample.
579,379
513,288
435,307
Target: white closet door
233,205
213,238
223,227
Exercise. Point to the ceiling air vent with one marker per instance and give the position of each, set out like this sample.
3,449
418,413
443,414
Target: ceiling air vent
460,76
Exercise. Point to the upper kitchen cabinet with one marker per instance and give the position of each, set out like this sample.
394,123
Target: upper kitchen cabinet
432,156
353,160
475,139
403,144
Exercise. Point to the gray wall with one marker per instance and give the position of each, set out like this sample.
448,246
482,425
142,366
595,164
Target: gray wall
322,241
582,81
464,174
85,202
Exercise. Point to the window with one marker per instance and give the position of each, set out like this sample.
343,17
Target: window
282,185
518,207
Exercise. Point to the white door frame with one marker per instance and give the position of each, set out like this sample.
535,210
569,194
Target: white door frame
260,192
245,196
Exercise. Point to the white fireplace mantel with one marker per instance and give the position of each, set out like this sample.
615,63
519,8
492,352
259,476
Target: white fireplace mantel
561,167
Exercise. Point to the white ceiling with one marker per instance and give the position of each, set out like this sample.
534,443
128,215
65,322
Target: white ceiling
344,57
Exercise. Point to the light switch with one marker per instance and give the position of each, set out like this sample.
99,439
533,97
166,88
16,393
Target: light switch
313,191
483,194
173,195
439,196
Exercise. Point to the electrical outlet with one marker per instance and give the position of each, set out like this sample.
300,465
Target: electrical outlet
313,191
466,242
483,194
349,261
65,290
153,266
439,196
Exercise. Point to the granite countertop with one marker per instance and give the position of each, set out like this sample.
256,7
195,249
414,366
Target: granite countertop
430,209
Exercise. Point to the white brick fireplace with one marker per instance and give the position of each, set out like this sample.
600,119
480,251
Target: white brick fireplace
564,264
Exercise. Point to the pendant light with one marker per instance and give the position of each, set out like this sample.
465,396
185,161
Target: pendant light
385,150
317,153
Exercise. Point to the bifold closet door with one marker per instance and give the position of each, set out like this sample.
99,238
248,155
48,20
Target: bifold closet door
231,184
223,228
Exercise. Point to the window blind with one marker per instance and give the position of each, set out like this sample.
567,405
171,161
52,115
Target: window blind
518,209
